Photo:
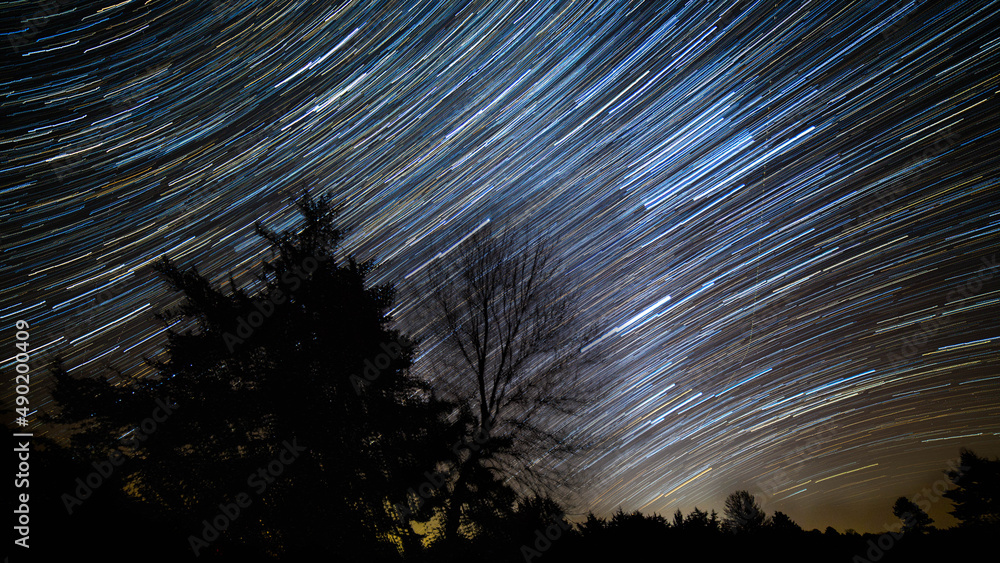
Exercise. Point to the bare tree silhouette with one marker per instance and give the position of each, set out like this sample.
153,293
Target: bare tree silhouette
512,352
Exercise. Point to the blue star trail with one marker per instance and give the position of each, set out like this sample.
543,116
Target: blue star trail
781,219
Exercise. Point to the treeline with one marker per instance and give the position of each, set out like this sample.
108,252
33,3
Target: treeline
282,422
744,532
625,536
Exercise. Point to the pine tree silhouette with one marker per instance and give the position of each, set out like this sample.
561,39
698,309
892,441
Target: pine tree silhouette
297,379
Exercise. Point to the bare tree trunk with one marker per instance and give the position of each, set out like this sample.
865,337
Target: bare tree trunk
505,315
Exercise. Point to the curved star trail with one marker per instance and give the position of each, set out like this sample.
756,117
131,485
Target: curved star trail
780,218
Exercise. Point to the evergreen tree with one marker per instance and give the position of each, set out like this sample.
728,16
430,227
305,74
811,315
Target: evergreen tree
696,520
297,379
592,526
977,491
914,519
713,521
781,522
743,514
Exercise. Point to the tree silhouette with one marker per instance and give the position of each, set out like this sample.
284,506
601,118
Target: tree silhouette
636,524
697,520
781,522
534,517
270,367
511,351
714,525
678,522
977,493
914,519
592,526
743,514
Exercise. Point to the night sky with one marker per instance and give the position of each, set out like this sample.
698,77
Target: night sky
781,218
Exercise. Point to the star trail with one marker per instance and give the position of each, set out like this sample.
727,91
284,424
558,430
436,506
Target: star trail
780,218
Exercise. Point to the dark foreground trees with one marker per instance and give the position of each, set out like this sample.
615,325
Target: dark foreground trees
977,491
743,514
281,422
914,519
296,424
782,523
